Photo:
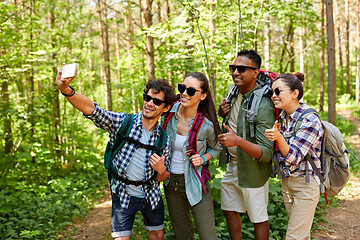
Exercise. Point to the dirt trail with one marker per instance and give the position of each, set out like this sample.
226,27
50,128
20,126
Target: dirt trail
96,226
344,221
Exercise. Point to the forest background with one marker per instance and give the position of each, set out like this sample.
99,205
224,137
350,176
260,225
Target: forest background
51,157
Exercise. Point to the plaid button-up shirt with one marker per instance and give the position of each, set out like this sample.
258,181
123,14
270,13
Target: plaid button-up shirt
111,122
306,139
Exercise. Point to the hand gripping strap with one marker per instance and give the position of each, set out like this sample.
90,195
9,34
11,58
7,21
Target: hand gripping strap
193,133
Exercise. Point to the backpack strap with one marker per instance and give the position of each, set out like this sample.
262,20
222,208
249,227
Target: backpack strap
251,109
122,137
160,142
308,156
193,133
168,115
192,139
124,130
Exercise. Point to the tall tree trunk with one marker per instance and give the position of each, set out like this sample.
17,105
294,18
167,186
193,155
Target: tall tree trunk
358,51
331,62
159,10
150,66
292,52
129,46
341,64
347,47
106,51
56,106
169,40
322,57
117,49
30,80
301,49
5,97
286,43
267,44
213,61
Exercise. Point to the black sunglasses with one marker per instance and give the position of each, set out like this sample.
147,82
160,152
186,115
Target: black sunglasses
240,68
277,91
156,101
190,90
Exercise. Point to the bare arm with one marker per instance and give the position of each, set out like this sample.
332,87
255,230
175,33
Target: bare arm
79,101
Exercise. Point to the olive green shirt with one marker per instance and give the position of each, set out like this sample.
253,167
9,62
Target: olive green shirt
253,173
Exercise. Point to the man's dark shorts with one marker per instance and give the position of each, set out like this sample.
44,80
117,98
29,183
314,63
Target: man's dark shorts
122,220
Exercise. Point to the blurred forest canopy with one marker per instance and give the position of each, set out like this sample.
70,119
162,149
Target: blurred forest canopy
121,44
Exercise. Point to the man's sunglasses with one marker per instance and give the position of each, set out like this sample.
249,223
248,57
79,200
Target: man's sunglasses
190,90
156,101
240,68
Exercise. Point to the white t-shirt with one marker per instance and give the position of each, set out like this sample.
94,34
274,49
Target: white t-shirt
177,161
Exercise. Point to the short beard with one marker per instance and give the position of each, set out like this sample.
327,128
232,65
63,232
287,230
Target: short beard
153,117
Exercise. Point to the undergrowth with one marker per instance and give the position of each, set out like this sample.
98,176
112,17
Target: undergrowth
37,200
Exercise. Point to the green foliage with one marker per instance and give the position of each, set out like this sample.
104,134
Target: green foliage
37,200
54,154
356,113
345,101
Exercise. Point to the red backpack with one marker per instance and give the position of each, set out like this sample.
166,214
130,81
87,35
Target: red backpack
194,131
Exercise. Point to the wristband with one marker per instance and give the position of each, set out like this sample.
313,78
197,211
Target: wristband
71,94
204,160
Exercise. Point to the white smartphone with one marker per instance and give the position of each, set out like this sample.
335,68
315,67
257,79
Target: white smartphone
68,70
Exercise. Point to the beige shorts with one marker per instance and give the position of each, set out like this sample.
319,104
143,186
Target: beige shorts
234,198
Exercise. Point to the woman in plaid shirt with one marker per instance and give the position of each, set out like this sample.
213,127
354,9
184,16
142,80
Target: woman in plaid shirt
300,197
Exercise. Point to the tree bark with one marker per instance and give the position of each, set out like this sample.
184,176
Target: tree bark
56,106
169,40
331,62
159,10
301,49
129,46
292,52
5,97
341,63
267,44
358,51
322,57
106,51
286,43
347,47
150,66
213,61
117,49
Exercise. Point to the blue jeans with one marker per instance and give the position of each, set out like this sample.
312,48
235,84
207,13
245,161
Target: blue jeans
122,219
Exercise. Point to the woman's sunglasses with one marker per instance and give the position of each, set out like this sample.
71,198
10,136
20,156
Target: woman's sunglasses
240,68
190,90
277,91
156,101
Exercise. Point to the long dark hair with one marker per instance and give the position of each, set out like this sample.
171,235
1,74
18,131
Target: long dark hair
207,106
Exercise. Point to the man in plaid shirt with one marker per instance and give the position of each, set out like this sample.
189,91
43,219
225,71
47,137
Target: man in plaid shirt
140,169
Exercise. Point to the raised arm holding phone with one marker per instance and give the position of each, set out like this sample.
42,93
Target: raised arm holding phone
138,170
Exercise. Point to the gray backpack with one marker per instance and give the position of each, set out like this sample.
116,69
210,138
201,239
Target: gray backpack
334,157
